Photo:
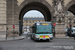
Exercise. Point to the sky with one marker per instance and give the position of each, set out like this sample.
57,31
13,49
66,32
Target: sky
33,13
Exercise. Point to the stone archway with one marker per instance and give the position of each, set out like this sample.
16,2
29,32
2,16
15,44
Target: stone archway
70,7
41,6
42,3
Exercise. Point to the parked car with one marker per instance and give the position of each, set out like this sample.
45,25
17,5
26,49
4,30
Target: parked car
71,32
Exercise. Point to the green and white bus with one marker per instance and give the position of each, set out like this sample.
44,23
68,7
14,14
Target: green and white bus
42,31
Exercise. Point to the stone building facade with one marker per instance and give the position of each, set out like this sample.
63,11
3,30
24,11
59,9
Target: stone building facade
12,12
60,28
3,17
29,21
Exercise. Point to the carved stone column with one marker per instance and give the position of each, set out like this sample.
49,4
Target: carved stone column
58,10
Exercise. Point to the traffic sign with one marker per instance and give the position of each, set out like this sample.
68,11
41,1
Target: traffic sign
13,26
54,24
69,24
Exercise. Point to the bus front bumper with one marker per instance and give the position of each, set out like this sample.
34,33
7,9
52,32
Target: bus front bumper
44,38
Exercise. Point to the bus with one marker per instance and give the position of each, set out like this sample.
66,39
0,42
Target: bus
42,31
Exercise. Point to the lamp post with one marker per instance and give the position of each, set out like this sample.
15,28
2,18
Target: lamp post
26,24
70,25
54,24
54,32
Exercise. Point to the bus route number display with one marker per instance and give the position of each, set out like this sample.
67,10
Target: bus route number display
44,23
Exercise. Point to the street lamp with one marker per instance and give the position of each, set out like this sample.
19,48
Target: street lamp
54,24
70,25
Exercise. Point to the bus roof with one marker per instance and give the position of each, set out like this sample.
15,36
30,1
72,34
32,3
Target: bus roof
41,22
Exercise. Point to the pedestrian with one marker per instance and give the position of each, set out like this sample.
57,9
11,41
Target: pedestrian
66,30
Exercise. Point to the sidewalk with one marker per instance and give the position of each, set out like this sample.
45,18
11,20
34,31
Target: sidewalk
12,38
23,36
63,37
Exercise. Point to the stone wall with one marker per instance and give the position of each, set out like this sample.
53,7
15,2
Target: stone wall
12,15
3,17
14,7
66,2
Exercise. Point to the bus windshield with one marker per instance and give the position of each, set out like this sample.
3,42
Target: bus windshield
44,28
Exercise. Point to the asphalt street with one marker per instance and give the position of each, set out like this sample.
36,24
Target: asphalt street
28,44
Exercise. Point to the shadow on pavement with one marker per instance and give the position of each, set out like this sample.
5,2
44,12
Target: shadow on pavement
1,48
43,41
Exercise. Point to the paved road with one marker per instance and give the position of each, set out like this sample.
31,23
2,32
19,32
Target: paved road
28,44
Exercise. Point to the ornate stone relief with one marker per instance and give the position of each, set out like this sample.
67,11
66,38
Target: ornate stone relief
58,10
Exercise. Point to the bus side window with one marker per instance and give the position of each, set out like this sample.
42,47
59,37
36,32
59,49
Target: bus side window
34,29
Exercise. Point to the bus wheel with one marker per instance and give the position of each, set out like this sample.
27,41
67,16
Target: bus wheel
48,40
74,38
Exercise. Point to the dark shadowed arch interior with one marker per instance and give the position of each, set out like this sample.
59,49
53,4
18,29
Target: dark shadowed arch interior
72,9
34,6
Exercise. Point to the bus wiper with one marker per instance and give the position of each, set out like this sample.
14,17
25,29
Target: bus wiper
44,32
47,32
41,32
37,33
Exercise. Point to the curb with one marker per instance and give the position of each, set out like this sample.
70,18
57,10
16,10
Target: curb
12,39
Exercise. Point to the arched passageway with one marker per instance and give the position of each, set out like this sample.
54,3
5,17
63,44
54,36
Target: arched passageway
71,14
34,6
72,9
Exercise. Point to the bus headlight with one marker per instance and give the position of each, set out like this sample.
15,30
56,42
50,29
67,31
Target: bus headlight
50,36
37,36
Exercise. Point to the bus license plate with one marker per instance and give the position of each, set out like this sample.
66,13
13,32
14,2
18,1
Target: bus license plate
44,36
